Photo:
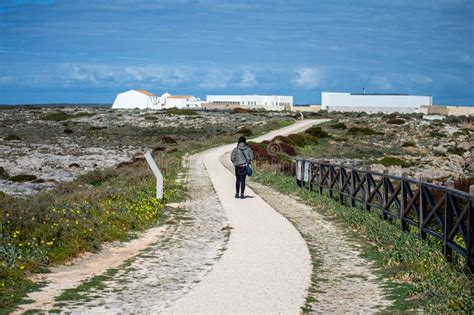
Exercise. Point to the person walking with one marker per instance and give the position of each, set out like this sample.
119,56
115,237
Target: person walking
241,157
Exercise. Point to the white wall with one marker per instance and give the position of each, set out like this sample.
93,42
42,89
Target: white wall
134,99
373,103
269,102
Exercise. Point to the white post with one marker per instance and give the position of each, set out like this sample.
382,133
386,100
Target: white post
158,175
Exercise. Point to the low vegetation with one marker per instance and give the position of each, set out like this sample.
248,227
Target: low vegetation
418,275
49,228
390,161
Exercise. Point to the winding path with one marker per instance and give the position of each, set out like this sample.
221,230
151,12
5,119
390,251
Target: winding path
266,266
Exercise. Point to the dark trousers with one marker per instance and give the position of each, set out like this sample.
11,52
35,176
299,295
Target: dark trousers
240,174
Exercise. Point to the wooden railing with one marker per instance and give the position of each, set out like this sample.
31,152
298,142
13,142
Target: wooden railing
434,211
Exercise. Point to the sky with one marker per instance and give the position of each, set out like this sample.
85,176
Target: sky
86,51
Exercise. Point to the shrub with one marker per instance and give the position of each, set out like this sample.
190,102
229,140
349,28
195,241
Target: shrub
408,144
168,139
339,125
12,137
361,131
181,111
68,131
395,121
246,132
23,178
239,110
391,161
57,116
317,132
3,173
456,150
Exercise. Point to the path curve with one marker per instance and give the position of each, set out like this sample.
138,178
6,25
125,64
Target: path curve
266,266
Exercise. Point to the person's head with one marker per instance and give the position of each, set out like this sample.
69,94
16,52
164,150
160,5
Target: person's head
242,140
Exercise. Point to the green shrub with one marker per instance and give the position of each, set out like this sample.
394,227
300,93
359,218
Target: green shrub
391,161
3,173
339,125
12,137
246,132
23,178
181,111
317,132
408,144
361,131
57,116
456,150
395,121
68,131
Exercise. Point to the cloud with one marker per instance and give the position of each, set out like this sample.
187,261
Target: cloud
381,83
248,79
309,78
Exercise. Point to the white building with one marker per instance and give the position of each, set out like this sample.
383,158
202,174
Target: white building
268,102
373,103
140,99
179,101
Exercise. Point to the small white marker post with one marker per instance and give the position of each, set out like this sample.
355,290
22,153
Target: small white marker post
158,175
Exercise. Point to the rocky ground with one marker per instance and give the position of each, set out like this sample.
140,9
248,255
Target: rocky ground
40,147
420,148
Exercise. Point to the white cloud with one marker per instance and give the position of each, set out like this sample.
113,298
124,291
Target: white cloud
309,78
381,83
248,79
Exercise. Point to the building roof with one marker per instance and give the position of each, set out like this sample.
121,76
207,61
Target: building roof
379,94
146,92
181,96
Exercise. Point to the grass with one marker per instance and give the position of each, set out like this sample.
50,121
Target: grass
181,111
391,161
417,274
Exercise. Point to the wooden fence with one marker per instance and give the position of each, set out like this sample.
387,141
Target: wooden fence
434,211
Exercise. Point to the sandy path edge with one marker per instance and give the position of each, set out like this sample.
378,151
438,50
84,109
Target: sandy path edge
86,266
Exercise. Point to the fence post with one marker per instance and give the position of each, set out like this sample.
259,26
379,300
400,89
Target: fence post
353,187
470,229
383,215
320,176
341,182
330,178
403,201
448,221
367,189
422,207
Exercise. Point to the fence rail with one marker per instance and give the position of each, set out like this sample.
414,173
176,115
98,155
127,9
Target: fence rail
434,211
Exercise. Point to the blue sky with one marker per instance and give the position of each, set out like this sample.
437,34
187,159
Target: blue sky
87,51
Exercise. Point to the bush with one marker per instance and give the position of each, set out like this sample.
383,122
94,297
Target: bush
408,144
3,173
57,116
12,137
317,132
168,139
391,161
456,150
23,178
181,111
68,131
239,110
395,121
361,131
339,125
246,132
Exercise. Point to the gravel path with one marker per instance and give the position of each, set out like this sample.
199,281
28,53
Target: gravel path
267,265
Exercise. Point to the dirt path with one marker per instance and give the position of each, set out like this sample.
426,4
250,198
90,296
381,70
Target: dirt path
343,281
266,267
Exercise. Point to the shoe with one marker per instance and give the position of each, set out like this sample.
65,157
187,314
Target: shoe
242,196
237,196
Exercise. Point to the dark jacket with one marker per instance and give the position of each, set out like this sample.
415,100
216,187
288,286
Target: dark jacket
241,154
